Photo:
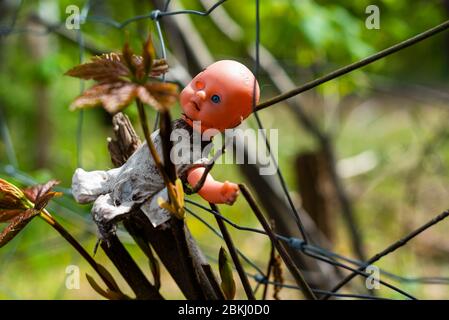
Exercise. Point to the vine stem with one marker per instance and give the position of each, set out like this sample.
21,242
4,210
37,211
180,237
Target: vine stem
282,252
155,155
48,218
269,269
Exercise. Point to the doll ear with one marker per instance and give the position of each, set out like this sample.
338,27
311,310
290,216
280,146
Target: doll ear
257,91
246,108
237,122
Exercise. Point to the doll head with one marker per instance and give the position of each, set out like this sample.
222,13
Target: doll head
221,96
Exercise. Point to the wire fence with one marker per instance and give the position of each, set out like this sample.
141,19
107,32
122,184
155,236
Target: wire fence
355,267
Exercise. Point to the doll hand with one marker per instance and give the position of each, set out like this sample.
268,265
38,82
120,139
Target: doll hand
229,192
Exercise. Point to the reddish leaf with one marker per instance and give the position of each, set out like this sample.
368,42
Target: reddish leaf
35,192
11,197
105,68
129,58
165,93
40,194
8,214
122,78
16,225
159,67
147,98
148,54
112,96
15,206
42,201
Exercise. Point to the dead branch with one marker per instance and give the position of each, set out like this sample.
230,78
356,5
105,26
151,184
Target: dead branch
174,245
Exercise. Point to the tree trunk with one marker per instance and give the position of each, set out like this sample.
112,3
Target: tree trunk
316,191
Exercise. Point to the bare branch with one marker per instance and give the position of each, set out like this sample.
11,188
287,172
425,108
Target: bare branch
284,254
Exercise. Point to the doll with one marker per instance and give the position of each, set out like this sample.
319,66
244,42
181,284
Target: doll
220,97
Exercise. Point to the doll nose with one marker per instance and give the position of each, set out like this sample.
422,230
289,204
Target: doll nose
201,94
199,85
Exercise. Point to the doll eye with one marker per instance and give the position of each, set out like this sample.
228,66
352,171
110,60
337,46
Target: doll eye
215,98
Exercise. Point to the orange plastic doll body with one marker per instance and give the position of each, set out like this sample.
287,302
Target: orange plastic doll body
221,97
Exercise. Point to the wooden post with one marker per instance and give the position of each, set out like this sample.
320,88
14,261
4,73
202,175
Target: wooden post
174,245
315,188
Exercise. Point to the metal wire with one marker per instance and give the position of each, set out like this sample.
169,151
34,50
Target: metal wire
261,279
111,22
293,211
217,233
309,249
79,130
301,245
151,15
6,137
15,16
155,16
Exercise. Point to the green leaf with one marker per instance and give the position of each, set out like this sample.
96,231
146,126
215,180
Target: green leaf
97,288
105,273
227,279
108,294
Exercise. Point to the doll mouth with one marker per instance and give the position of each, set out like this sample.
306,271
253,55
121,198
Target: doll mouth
195,104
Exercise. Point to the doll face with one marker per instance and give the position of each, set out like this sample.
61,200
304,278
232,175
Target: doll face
220,97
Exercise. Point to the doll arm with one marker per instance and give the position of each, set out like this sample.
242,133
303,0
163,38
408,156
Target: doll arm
213,191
